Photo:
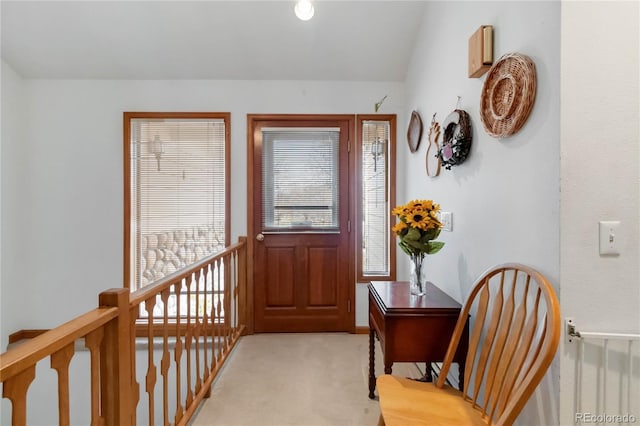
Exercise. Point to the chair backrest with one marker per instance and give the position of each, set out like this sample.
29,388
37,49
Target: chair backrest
515,330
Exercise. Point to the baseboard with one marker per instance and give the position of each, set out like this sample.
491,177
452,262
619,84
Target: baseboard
362,330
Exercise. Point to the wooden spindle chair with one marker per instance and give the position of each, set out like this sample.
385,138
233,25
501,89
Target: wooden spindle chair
515,317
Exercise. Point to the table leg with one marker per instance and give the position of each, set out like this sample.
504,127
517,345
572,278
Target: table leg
428,377
461,376
372,374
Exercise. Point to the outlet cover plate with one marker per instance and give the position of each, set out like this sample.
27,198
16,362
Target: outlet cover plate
447,221
609,236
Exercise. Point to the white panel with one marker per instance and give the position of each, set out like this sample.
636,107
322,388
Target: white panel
600,87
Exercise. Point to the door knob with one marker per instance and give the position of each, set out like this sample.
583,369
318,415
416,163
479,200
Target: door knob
260,237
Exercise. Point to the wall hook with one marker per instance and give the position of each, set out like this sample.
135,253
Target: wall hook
378,104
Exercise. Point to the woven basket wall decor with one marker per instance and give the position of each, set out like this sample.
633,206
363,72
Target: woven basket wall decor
508,95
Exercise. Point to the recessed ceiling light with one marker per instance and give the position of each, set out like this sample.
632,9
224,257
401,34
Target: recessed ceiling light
304,10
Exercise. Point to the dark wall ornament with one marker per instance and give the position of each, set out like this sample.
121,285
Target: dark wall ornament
456,140
414,132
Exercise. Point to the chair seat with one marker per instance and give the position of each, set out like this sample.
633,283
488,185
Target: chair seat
406,402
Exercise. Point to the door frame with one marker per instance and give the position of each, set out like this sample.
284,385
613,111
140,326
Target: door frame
251,232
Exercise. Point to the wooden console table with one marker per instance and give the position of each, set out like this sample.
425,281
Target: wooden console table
412,328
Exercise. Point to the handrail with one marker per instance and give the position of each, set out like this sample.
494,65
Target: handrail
206,303
30,352
140,295
212,291
102,329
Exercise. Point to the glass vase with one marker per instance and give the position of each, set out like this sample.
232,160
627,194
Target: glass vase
417,278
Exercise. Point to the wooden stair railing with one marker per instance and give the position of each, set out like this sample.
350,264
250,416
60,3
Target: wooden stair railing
104,332
194,340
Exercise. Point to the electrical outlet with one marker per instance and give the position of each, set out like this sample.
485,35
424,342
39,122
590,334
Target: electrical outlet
446,218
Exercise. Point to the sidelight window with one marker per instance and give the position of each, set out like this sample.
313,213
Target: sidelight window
376,253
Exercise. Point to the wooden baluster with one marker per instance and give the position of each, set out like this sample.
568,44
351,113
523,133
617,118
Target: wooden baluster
164,364
205,323
227,301
216,308
221,341
238,318
232,294
92,341
196,330
177,352
243,301
15,389
187,341
149,304
60,361
235,293
223,301
231,297
214,343
134,313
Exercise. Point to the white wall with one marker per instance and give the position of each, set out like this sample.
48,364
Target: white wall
61,167
600,177
505,198
13,289
72,206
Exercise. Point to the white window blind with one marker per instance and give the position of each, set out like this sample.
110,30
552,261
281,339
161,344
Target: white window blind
177,194
375,198
300,179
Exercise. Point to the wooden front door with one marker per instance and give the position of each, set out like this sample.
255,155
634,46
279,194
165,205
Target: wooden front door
300,223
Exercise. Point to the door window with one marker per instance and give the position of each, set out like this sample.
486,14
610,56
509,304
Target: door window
300,179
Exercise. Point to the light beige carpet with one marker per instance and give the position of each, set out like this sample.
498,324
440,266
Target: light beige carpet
296,380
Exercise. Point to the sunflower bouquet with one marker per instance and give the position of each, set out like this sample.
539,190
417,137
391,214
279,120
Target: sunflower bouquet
417,227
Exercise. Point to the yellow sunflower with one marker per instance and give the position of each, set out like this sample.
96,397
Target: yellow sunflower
398,211
398,227
418,226
418,218
420,204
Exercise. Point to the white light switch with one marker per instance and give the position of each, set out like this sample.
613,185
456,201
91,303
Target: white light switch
609,237
446,219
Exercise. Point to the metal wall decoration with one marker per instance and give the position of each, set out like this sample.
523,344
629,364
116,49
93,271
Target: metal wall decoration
414,132
456,140
432,159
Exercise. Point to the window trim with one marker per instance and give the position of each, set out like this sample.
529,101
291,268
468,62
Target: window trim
391,118
127,117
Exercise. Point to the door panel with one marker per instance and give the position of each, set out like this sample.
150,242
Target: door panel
279,277
302,251
323,278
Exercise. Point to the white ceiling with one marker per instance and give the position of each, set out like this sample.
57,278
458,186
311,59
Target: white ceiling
254,40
